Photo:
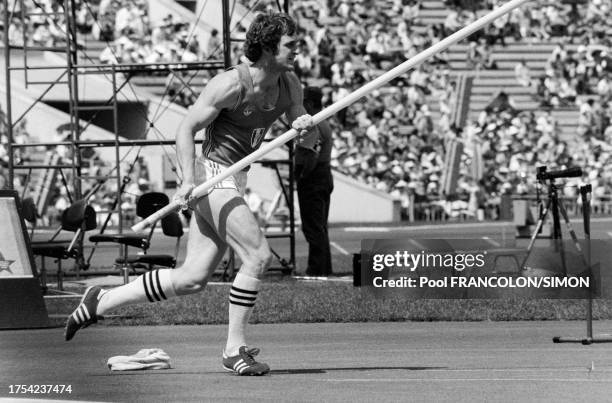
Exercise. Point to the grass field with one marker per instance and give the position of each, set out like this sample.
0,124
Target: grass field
290,301
285,300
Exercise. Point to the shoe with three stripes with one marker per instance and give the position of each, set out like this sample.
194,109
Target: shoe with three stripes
244,363
85,314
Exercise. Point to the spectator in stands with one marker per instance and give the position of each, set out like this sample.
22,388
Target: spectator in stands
567,92
42,35
178,92
214,46
484,56
410,11
84,18
377,47
522,74
604,88
452,22
502,102
472,57
124,18
303,62
16,32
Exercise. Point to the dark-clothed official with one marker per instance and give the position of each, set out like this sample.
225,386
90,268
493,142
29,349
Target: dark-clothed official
314,186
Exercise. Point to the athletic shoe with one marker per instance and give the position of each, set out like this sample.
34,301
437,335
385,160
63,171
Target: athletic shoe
244,363
85,314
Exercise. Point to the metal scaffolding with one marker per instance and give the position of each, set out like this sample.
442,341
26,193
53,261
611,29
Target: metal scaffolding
69,76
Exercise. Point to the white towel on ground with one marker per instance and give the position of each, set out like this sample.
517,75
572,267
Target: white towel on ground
148,358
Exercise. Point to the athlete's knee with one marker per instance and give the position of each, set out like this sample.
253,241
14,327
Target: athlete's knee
257,260
188,282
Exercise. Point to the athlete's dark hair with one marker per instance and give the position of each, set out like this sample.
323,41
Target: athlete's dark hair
265,33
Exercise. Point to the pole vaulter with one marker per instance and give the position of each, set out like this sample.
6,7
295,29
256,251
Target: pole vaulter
202,189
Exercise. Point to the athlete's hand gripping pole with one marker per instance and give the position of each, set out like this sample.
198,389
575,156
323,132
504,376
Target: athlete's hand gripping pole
463,33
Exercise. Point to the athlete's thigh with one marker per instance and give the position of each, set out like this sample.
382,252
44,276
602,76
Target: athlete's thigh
227,211
204,248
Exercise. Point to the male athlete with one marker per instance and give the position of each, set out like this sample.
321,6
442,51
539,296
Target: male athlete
237,107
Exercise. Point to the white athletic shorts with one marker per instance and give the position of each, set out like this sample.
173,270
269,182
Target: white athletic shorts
206,169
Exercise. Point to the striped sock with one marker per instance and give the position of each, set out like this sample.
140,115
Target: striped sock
153,286
242,300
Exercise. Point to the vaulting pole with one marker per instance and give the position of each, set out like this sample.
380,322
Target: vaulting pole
397,71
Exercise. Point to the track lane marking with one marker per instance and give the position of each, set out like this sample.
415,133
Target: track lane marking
403,380
443,225
491,241
338,248
418,244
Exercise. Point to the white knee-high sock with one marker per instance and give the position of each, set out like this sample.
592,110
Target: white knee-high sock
153,286
241,302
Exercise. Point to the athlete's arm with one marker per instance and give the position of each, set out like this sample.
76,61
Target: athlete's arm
221,92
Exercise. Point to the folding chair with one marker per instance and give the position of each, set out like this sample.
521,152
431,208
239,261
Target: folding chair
172,226
79,217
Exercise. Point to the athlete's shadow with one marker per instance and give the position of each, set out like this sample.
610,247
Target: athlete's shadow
287,371
290,371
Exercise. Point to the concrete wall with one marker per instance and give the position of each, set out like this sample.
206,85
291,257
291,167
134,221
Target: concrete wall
353,201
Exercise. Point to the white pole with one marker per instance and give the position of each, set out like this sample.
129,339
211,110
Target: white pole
463,33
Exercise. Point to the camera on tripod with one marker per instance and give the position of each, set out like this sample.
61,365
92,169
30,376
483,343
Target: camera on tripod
542,174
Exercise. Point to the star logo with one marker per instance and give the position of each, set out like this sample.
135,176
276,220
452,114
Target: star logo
248,110
5,265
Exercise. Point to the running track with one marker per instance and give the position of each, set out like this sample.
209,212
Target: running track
430,362
423,362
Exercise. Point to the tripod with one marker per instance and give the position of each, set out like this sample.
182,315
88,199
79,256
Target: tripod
585,191
555,205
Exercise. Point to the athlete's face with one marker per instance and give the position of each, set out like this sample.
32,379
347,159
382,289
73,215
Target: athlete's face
287,49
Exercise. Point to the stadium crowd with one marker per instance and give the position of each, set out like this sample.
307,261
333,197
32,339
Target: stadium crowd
366,46
345,43
123,24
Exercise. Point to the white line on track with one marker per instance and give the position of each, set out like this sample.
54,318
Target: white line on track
371,229
542,369
67,295
452,225
426,227
417,244
403,380
492,242
338,248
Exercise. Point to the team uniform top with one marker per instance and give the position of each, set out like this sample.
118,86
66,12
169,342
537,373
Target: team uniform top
236,133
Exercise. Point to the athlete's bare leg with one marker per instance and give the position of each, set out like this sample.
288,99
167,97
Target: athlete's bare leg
227,211
234,222
205,249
